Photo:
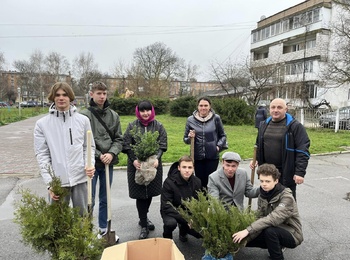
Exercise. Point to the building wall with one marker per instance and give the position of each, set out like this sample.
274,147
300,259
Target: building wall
301,67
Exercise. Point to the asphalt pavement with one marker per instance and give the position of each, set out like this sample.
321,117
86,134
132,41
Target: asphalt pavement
322,200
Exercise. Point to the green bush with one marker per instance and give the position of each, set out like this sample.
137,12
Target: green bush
234,111
126,106
56,228
216,222
183,107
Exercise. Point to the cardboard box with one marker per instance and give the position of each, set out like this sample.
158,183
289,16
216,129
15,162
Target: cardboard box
147,249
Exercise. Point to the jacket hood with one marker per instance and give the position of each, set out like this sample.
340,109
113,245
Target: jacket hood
93,104
289,119
52,110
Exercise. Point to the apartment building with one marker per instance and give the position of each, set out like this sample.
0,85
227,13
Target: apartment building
297,43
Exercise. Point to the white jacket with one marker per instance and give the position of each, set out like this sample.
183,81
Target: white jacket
60,144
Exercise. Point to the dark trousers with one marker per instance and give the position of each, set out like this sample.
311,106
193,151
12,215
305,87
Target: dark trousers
203,168
273,238
170,224
142,206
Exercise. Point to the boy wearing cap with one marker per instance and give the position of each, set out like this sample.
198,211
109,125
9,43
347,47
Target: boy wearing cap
230,183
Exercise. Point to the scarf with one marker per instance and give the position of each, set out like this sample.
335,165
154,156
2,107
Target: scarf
143,121
268,195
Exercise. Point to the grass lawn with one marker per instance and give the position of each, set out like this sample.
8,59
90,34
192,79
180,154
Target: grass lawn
241,139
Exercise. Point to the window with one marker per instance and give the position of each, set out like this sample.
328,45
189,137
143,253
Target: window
278,26
316,15
308,17
267,32
296,22
285,25
309,66
311,90
310,44
273,29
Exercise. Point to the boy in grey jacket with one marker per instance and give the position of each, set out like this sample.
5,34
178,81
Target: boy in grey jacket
278,225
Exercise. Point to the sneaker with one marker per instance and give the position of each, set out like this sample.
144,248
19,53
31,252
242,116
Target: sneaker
101,234
150,225
183,238
144,233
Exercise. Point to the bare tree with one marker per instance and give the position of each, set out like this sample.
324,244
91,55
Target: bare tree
337,70
2,61
232,77
158,65
56,65
85,70
3,89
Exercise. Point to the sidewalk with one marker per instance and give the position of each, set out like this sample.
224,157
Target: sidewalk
324,211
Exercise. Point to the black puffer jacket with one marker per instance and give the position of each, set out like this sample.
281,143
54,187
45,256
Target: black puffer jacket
154,188
175,188
209,134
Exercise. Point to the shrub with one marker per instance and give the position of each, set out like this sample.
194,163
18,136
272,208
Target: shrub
216,222
56,228
146,144
234,111
126,106
183,107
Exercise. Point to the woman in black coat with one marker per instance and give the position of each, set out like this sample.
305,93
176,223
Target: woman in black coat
144,193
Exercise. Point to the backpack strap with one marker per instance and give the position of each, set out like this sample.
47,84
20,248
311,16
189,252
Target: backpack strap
93,111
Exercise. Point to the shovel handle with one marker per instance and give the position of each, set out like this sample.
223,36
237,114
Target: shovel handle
192,148
108,193
252,175
89,165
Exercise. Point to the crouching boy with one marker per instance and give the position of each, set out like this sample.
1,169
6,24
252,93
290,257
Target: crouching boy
278,225
180,184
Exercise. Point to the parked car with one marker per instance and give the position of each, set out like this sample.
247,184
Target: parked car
328,120
3,104
29,103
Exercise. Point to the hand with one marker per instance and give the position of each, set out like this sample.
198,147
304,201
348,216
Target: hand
251,166
53,195
90,171
156,163
237,237
298,179
137,164
192,134
106,158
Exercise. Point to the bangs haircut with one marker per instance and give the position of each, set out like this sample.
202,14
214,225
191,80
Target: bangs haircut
186,158
269,170
98,85
144,105
65,87
205,99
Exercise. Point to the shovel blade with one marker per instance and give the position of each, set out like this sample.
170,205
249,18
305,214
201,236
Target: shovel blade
109,238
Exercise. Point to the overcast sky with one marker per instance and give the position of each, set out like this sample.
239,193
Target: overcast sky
199,31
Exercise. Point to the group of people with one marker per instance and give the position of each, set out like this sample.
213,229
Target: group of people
60,142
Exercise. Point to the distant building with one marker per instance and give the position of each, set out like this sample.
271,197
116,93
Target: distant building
297,41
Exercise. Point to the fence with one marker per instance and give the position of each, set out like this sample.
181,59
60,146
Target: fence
323,118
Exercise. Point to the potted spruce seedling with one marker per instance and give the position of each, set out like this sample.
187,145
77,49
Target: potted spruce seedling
216,222
56,229
145,148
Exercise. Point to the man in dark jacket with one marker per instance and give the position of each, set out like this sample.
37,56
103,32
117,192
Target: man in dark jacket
180,184
283,141
278,224
109,141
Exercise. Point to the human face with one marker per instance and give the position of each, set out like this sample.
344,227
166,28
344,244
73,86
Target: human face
230,168
99,97
278,109
203,108
62,101
267,183
145,114
186,169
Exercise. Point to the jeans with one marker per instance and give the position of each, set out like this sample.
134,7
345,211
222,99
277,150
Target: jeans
102,195
273,238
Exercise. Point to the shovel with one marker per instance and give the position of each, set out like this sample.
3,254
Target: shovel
109,236
252,175
89,182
